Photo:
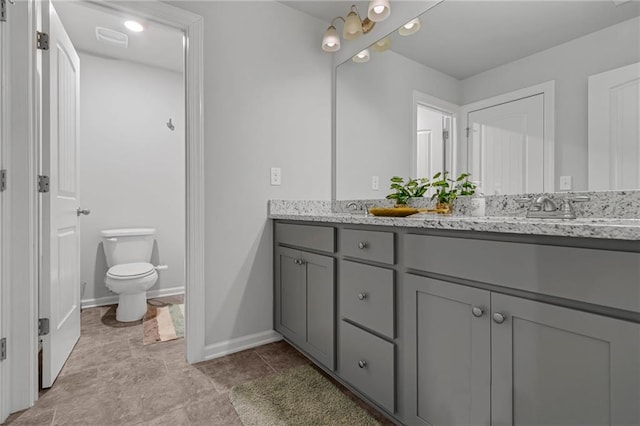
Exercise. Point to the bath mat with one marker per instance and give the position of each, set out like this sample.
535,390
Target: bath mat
163,323
298,396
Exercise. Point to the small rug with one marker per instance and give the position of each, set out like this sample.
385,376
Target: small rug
163,323
298,396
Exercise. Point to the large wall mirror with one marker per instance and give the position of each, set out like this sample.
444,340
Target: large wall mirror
528,96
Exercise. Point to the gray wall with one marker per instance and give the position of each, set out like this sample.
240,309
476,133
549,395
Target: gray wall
132,167
267,104
569,64
374,119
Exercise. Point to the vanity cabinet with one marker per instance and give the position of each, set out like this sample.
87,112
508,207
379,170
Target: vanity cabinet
477,357
305,295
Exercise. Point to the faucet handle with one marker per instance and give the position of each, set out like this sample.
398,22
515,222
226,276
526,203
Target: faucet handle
567,211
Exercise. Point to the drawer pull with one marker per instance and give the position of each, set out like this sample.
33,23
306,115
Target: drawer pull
477,312
498,318
362,296
362,363
362,245
298,261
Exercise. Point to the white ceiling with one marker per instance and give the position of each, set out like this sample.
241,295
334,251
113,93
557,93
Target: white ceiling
463,38
158,45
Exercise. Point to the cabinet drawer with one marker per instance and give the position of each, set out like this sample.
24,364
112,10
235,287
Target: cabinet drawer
307,236
368,245
367,296
602,277
368,363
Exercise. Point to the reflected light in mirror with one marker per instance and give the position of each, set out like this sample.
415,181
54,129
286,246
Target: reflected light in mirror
410,27
381,45
362,57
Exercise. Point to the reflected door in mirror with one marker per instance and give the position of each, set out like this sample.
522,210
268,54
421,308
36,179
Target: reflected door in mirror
506,148
614,129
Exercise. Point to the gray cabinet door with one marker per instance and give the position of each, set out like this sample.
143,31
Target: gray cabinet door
290,296
447,353
558,366
320,283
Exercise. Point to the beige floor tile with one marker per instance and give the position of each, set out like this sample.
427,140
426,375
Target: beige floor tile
234,369
212,409
281,356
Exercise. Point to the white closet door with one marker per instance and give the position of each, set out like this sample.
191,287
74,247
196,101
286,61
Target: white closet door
506,146
614,129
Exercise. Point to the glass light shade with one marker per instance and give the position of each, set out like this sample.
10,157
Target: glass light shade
362,56
381,45
410,27
331,41
352,27
378,10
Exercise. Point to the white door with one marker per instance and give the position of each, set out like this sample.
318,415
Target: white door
433,133
60,233
3,138
614,129
506,146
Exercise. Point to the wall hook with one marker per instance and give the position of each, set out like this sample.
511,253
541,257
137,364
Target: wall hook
170,125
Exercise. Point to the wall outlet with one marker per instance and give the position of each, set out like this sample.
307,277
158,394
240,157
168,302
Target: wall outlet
565,183
276,176
375,183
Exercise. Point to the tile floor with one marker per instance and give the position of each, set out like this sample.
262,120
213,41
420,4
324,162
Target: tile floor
111,378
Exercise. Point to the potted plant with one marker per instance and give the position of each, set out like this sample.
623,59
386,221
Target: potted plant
414,188
447,190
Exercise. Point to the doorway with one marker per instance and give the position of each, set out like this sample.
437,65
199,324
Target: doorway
29,18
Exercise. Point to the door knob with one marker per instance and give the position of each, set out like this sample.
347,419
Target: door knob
498,318
362,296
477,312
85,212
362,245
362,363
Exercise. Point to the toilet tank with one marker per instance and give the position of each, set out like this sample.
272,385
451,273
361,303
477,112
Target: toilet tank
128,245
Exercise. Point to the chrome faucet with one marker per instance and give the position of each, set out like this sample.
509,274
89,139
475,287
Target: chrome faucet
352,205
545,208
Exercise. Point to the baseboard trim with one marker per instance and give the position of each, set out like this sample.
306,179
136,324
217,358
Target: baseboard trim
112,300
227,347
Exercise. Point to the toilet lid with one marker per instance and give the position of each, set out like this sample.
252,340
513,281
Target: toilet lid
131,270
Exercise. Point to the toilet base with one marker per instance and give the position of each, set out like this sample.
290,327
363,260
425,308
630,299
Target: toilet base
131,307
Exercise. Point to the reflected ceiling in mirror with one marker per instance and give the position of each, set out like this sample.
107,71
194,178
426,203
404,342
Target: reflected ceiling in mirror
467,53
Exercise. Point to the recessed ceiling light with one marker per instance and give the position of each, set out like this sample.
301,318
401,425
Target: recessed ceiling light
134,26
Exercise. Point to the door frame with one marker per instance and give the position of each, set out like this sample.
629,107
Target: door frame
23,322
547,89
445,107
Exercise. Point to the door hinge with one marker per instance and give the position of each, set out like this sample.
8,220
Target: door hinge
3,10
43,326
42,41
467,129
3,180
445,135
3,349
43,183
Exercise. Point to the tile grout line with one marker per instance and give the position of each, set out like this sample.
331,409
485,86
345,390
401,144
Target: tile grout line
265,361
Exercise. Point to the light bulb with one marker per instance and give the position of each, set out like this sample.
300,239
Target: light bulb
409,25
378,9
134,26
362,56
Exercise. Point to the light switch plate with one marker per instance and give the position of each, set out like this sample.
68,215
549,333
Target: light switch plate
276,176
566,183
375,183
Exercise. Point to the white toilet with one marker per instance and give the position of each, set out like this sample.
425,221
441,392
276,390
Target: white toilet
130,274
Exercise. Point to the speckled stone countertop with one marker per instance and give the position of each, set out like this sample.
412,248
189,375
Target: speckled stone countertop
604,228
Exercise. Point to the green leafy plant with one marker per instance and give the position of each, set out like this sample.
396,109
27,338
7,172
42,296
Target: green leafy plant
447,190
414,188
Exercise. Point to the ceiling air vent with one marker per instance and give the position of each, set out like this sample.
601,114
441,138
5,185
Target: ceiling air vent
110,36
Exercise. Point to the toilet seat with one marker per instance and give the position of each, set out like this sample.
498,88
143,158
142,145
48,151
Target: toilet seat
129,271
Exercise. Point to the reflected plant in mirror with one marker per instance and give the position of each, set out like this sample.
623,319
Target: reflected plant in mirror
414,188
447,190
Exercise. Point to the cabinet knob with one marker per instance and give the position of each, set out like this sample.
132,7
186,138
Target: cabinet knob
362,363
298,261
362,245
362,296
477,312
498,318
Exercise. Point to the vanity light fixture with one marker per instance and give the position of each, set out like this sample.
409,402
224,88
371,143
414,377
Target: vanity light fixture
378,10
134,26
381,45
410,27
362,57
354,26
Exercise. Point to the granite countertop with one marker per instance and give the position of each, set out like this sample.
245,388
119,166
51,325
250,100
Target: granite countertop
606,228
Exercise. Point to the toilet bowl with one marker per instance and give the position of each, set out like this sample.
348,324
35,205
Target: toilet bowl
130,275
